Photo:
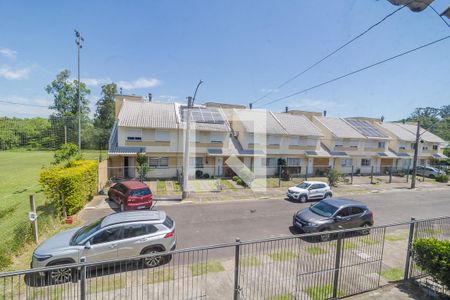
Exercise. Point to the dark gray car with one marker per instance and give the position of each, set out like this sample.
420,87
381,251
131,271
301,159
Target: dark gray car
333,214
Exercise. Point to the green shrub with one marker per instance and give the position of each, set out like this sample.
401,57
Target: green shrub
77,181
433,256
240,182
333,177
5,257
442,178
66,153
235,178
198,174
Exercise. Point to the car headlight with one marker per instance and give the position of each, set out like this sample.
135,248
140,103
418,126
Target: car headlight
312,224
42,257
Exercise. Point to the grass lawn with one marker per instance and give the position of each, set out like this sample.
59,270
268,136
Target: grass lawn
249,261
161,187
19,175
315,250
283,255
320,292
282,297
204,268
392,274
228,185
396,237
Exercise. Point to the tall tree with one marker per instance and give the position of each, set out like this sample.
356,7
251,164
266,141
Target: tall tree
65,99
104,115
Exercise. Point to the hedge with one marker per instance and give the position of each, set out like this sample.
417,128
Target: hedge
77,181
433,257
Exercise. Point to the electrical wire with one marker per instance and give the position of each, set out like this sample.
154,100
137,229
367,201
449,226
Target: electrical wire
329,55
23,104
359,70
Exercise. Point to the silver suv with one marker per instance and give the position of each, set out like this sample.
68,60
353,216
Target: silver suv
119,235
309,190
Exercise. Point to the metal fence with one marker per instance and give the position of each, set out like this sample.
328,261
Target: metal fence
294,267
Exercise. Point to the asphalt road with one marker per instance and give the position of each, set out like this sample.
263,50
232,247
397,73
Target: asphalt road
222,222
213,223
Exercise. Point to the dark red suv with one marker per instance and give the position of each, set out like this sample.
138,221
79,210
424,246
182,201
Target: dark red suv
131,195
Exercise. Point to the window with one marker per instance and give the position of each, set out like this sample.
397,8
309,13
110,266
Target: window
135,230
140,192
107,235
162,136
158,162
402,147
253,139
293,141
354,144
345,212
271,162
134,135
435,147
425,148
356,210
311,142
381,144
273,140
293,162
346,162
199,162
315,187
338,143
365,162
413,146
121,188
216,138
168,222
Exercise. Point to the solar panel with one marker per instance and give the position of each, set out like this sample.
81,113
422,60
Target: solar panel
365,128
203,115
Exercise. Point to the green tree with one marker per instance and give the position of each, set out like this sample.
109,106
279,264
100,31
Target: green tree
436,120
142,165
104,115
65,99
67,153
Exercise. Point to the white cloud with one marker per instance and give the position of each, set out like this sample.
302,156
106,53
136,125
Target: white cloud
95,81
167,98
11,74
139,83
9,53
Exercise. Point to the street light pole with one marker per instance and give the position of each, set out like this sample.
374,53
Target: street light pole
416,152
187,143
79,39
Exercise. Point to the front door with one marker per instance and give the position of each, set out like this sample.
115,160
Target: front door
126,165
343,219
315,191
103,245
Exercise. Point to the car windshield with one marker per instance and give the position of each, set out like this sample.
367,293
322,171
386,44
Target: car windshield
303,185
85,231
323,209
140,192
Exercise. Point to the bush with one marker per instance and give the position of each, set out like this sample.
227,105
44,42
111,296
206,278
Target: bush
240,182
442,178
198,174
433,256
235,178
77,181
67,153
333,177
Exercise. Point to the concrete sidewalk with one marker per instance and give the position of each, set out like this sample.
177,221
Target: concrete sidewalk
398,291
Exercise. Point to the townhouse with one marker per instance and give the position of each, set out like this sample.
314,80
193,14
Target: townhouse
403,136
305,142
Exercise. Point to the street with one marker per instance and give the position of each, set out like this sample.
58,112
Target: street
222,222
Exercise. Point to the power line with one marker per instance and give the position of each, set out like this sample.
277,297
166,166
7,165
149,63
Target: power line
440,16
330,54
23,104
359,70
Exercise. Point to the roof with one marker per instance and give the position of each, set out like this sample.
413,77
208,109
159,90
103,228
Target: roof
115,149
342,202
205,118
134,216
366,128
259,121
425,135
147,115
339,128
398,132
297,124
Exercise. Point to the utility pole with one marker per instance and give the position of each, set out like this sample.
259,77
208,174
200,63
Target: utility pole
187,143
416,152
79,40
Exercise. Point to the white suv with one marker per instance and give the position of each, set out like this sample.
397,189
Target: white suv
309,190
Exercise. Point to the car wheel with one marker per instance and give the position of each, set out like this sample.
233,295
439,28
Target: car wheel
432,176
152,261
366,229
302,198
61,275
325,237
122,206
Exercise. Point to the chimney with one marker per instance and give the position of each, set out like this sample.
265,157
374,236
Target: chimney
286,109
250,105
324,113
120,91
382,119
149,97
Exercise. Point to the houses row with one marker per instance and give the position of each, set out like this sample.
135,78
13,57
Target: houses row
305,141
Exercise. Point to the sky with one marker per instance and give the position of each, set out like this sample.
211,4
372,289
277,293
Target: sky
240,49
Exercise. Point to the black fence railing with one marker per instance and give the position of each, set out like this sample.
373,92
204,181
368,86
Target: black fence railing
347,262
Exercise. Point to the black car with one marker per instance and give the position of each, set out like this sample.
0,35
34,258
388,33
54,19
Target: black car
333,214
